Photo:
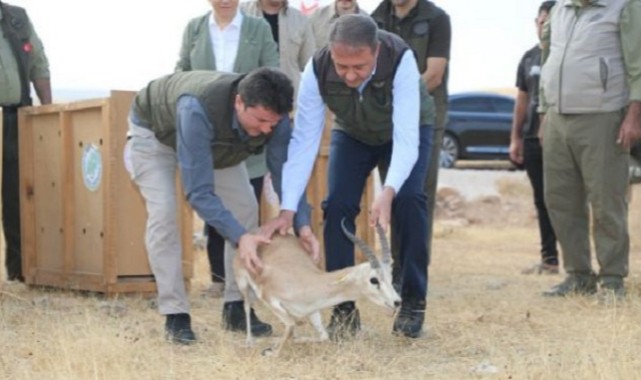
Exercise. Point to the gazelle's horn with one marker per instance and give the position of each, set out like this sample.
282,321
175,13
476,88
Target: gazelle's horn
362,246
387,252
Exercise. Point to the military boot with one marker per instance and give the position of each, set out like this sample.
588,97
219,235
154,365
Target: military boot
178,329
234,320
574,284
409,321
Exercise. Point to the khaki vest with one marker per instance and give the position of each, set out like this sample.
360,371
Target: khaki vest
155,108
367,117
584,72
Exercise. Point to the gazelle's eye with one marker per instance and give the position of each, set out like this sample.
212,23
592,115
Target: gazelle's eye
374,281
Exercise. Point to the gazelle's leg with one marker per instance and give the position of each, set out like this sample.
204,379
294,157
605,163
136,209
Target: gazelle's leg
316,321
287,320
289,329
243,286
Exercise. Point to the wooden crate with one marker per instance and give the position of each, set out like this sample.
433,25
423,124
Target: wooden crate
83,219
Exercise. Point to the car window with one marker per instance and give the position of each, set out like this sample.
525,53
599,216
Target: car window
503,105
471,104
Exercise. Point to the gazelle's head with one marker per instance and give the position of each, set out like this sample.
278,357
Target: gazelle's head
375,280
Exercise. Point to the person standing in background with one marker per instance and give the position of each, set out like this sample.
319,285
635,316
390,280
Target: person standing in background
591,96
427,30
322,19
226,40
22,61
525,146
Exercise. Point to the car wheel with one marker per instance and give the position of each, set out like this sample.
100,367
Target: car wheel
449,151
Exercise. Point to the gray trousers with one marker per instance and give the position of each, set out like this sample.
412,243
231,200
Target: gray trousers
586,170
153,167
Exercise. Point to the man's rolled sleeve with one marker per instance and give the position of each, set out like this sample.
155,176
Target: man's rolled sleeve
630,29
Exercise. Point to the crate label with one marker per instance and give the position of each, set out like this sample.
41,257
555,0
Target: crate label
91,167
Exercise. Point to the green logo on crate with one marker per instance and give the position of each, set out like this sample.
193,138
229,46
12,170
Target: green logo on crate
91,167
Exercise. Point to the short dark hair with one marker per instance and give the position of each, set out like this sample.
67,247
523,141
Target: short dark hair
268,87
355,30
546,6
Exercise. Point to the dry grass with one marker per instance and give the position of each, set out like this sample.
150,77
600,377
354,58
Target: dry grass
484,320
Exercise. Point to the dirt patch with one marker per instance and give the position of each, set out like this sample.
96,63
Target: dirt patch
484,198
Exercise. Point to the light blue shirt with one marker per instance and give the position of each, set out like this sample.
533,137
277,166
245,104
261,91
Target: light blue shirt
194,139
310,121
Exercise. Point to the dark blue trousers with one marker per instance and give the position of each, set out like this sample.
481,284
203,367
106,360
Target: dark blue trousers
350,163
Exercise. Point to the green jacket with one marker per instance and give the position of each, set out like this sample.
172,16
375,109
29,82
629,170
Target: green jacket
22,56
255,49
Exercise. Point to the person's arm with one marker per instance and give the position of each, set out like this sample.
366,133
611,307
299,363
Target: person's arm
438,52
545,52
39,68
269,49
520,113
405,119
43,90
306,138
184,56
630,30
276,157
516,135
308,46
194,134
302,151
405,137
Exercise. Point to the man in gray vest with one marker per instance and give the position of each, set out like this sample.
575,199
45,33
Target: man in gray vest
383,115
591,95
206,123
22,62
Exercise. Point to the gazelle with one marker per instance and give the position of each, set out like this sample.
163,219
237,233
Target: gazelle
294,288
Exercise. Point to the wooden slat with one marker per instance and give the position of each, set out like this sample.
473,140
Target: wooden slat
27,196
68,199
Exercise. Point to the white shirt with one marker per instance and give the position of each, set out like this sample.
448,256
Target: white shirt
224,42
310,121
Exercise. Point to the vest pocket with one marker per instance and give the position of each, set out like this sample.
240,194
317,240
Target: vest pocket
603,72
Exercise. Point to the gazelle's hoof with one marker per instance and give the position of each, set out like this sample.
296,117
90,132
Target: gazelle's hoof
249,343
269,352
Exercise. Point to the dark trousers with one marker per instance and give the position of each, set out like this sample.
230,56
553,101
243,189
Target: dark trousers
533,163
350,163
11,194
216,243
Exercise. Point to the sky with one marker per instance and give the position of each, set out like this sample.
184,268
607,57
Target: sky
97,46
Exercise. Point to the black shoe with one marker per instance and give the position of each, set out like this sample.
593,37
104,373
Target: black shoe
409,321
574,284
234,320
178,329
345,322
15,277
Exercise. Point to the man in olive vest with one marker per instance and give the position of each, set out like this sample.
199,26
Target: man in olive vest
22,62
206,123
591,92
427,30
383,115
